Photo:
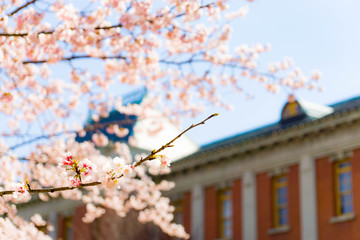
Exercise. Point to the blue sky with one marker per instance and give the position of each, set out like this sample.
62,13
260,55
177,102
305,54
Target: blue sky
319,34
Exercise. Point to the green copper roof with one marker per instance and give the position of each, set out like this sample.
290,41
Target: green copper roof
312,112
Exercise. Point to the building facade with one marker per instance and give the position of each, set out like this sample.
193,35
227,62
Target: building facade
298,178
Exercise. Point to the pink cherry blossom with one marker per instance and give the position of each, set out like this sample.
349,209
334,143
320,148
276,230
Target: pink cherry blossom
86,166
100,139
74,182
68,160
127,170
38,220
165,162
61,64
20,192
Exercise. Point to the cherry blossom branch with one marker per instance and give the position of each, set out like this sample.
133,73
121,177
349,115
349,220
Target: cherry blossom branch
21,7
52,190
88,127
151,156
94,126
52,31
74,58
168,62
38,138
187,61
96,28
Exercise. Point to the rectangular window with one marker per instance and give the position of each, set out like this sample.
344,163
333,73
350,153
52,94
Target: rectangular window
343,187
68,228
225,213
280,201
178,212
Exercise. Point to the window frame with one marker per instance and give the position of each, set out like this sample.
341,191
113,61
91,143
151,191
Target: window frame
276,185
338,193
178,211
68,228
222,197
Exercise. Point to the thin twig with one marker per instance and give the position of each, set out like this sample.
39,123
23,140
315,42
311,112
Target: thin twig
88,128
119,25
52,31
169,144
151,156
74,57
51,190
163,61
19,8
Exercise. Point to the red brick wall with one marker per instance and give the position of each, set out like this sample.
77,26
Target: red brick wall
325,191
264,206
294,204
237,209
60,226
263,203
211,217
111,227
187,211
81,230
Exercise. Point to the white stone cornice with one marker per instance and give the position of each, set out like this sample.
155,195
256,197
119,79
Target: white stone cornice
340,155
44,208
310,130
197,212
249,206
308,203
341,139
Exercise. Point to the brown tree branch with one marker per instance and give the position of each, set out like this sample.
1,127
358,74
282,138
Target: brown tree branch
151,156
19,9
169,144
74,58
52,31
184,62
51,190
88,127
96,28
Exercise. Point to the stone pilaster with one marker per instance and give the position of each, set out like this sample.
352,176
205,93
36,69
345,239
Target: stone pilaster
308,198
249,206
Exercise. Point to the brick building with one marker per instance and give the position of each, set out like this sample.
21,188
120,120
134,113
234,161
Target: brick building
298,178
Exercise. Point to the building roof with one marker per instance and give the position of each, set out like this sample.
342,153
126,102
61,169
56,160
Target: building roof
144,140
123,120
311,113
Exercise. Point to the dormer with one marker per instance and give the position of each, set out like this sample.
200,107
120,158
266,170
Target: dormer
296,110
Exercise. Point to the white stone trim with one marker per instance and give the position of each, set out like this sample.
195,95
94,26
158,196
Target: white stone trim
340,155
283,229
58,205
317,132
249,218
227,169
342,218
197,212
224,184
53,219
279,170
308,204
